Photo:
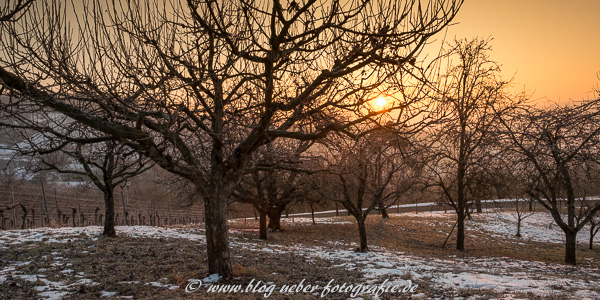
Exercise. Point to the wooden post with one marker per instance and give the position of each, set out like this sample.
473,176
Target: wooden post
14,213
170,218
44,205
153,213
74,215
57,210
124,209
449,234
81,216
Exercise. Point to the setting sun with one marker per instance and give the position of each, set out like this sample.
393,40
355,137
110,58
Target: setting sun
380,102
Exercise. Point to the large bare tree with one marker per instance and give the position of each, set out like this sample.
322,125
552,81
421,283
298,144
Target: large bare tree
198,86
54,142
468,97
558,144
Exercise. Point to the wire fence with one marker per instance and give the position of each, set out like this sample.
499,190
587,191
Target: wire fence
29,206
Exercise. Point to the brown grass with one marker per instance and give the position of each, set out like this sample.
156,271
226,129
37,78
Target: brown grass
424,236
126,265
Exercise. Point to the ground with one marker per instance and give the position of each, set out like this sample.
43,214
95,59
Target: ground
405,251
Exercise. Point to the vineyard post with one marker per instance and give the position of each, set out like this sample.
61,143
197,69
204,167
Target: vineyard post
44,204
81,216
14,213
57,210
124,209
170,219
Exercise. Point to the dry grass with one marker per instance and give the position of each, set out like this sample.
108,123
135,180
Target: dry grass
126,265
424,236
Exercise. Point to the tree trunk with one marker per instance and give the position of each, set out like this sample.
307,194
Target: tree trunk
593,232
384,213
570,247
518,226
274,214
460,232
217,244
124,209
478,206
24,218
109,212
263,225
58,213
362,231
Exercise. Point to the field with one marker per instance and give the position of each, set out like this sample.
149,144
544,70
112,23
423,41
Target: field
405,251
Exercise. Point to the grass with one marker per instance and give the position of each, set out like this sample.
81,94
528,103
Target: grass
423,236
127,265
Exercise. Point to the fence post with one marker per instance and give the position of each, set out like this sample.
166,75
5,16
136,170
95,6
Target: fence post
44,204
124,209
57,210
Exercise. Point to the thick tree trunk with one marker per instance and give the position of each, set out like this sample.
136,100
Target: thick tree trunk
478,206
217,244
460,232
362,231
570,247
274,214
109,212
263,225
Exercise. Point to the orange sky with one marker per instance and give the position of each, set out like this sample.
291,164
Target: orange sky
552,45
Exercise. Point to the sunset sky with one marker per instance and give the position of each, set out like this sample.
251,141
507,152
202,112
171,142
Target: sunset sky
551,46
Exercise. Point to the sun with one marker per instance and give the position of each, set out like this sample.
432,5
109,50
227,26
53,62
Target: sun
380,102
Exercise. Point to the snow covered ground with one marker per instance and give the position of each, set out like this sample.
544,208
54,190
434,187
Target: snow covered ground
449,276
536,227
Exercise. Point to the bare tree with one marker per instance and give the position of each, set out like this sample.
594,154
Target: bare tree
100,159
199,86
468,96
557,143
594,228
274,181
368,173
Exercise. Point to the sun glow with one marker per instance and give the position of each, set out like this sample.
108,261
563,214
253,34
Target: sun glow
380,102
